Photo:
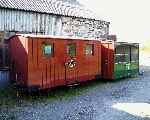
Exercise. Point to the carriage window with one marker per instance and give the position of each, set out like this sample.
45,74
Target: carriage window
119,58
71,50
89,49
48,50
134,54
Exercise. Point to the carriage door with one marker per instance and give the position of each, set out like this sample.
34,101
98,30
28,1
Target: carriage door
107,60
71,62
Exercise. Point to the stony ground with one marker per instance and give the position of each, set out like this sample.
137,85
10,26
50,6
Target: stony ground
126,99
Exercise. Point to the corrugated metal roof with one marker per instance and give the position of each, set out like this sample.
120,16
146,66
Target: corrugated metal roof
50,7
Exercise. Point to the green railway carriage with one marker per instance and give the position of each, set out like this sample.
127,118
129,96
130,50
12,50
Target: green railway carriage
126,60
119,60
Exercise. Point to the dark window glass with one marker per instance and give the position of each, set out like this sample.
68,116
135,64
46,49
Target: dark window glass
119,58
71,50
89,49
48,50
134,54
122,54
127,53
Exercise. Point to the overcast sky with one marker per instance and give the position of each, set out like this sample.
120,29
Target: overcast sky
129,19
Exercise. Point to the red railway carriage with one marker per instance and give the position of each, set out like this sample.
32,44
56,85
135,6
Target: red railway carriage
45,62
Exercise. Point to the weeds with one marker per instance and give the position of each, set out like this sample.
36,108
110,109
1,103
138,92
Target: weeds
11,97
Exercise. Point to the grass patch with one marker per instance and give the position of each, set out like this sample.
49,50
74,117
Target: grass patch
9,97
66,93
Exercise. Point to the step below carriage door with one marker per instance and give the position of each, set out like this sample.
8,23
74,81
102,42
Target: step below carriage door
71,62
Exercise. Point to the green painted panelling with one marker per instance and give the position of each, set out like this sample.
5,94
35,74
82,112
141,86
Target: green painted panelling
134,68
118,71
122,70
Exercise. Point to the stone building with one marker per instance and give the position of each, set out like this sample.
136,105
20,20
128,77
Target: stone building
48,17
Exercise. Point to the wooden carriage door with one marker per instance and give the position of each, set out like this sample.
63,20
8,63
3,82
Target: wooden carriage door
51,62
104,60
107,60
71,62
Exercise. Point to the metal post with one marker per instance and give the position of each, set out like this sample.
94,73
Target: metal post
1,43
2,48
3,51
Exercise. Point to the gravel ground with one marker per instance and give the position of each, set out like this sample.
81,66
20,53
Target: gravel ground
102,101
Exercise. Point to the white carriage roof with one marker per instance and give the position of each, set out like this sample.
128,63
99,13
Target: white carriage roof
126,44
57,37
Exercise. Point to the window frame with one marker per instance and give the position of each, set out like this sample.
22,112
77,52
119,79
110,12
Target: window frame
68,49
134,54
52,49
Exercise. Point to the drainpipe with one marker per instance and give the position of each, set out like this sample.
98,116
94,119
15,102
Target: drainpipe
3,51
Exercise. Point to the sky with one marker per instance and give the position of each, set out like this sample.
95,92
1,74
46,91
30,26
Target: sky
129,19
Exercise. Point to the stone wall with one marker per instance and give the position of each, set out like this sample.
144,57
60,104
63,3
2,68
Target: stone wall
86,28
